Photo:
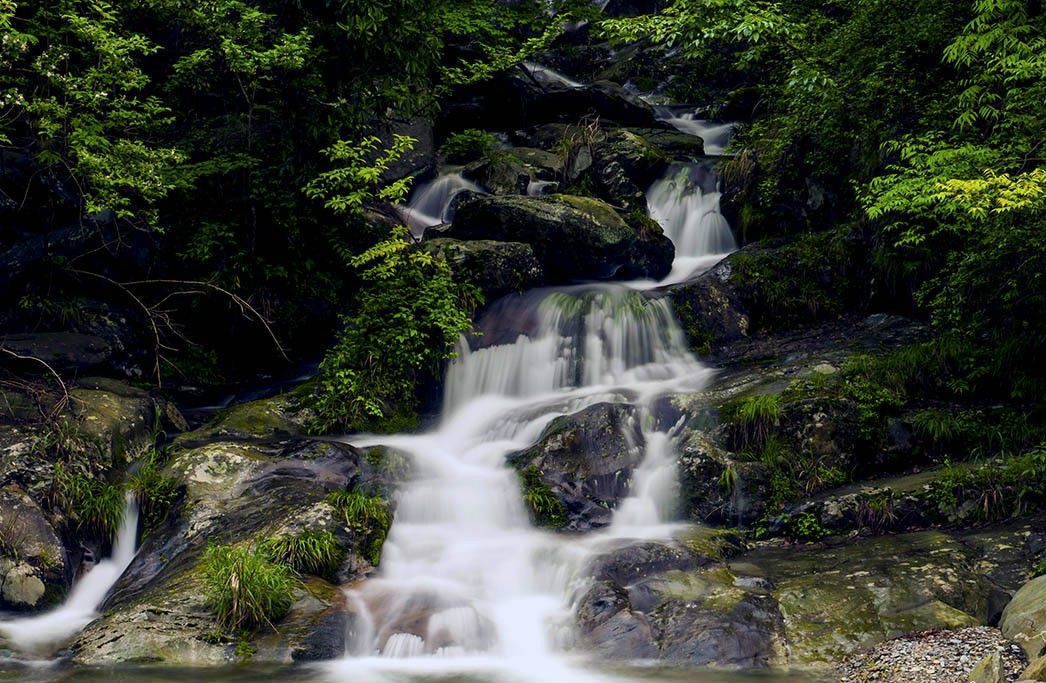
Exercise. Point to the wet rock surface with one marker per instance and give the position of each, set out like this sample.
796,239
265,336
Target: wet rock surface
586,460
574,238
497,268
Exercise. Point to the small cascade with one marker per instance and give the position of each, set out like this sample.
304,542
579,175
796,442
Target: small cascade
686,204
432,203
80,607
545,75
465,580
716,136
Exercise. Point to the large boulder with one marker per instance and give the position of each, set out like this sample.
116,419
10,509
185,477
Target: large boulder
33,569
497,268
235,493
586,460
1024,619
574,238
711,310
788,607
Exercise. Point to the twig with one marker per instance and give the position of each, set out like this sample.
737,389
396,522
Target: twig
65,389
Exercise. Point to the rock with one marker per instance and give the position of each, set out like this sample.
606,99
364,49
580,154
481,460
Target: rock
1036,671
672,143
235,492
512,171
716,488
33,559
572,237
515,100
66,352
422,155
794,607
990,669
285,414
587,459
632,8
497,268
711,310
1024,619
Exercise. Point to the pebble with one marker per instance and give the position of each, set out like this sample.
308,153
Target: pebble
933,657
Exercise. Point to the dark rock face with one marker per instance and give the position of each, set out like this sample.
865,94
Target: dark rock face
587,459
574,238
700,602
711,309
33,565
497,268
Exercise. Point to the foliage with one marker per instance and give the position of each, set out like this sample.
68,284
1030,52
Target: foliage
391,339
96,506
805,526
1008,486
754,418
467,145
154,492
244,587
366,516
309,552
546,510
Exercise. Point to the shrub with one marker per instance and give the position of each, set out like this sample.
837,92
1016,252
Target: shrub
468,145
309,552
244,587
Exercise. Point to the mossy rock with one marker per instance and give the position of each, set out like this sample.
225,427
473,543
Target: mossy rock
1024,619
497,268
572,237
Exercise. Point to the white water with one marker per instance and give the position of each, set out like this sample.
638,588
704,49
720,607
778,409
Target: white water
716,136
467,586
80,607
432,203
545,75
686,204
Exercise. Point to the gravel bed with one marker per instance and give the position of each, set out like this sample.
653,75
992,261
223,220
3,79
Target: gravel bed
932,657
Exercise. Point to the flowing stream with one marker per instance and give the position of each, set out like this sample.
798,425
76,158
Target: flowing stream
43,632
467,586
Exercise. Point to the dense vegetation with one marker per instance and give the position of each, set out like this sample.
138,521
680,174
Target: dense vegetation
225,157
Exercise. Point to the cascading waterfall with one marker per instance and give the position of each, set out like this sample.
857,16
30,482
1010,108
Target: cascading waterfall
432,203
466,582
716,136
53,628
686,204
467,585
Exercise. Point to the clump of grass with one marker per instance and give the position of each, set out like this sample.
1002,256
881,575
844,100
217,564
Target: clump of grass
546,510
754,417
309,552
154,492
366,516
96,506
245,588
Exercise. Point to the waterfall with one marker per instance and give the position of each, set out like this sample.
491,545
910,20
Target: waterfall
716,136
432,203
80,607
686,204
465,580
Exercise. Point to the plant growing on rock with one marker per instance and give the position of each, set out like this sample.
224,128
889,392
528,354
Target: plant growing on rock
366,516
754,418
155,493
545,508
244,587
467,145
309,552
